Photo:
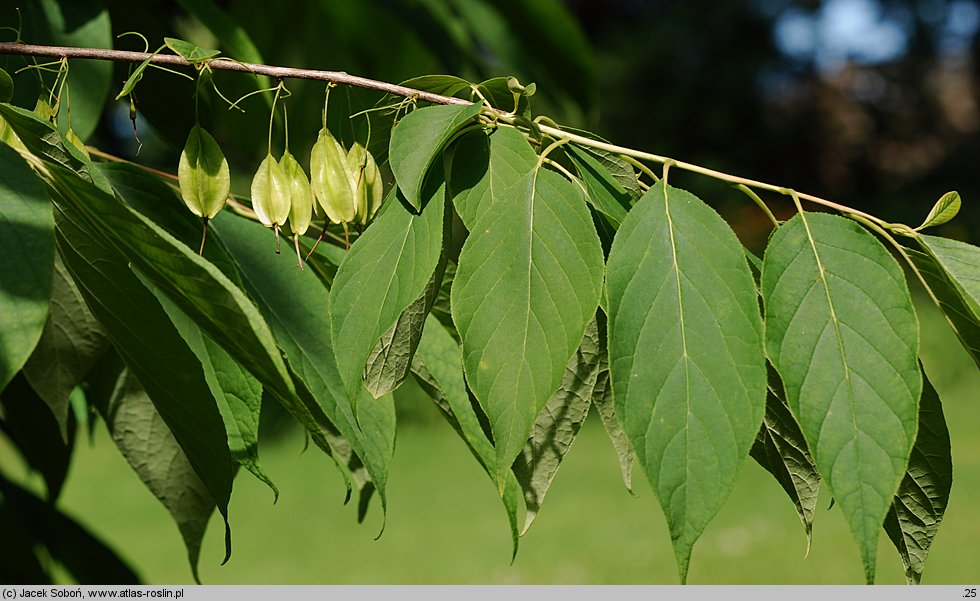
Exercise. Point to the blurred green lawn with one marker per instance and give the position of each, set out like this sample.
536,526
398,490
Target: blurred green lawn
445,524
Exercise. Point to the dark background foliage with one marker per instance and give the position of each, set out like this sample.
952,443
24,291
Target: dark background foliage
870,102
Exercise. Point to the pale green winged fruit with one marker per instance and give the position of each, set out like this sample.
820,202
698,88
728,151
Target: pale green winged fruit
77,142
300,199
271,195
6,86
43,109
330,177
367,183
8,137
203,174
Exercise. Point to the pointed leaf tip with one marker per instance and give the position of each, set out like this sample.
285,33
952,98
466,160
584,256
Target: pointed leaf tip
437,367
918,508
6,86
952,270
843,335
192,53
684,325
518,330
559,422
386,270
418,139
781,449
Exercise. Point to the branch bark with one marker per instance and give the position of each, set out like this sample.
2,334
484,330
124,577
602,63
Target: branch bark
340,77
224,64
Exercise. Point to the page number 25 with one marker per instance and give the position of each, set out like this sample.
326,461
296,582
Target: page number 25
970,593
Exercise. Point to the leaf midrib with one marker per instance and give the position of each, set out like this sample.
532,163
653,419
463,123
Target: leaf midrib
530,266
821,273
392,274
684,357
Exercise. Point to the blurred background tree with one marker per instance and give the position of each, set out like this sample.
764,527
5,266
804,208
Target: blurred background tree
872,103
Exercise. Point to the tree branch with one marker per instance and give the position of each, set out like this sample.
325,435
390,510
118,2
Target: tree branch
224,64
340,77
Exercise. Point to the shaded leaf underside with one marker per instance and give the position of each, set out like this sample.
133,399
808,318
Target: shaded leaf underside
843,335
527,283
917,510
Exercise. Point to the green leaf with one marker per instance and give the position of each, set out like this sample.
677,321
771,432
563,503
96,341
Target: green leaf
77,142
71,343
205,179
441,309
8,137
27,237
781,449
387,269
685,355
145,441
418,139
294,302
382,121
42,139
28,423
159,202
755,264
153,351
136,75
558,423
87,25
209,296
917,510
617,166
943,211
391,360
444,85
238,395
527,284
843,335
605,193
195,285
233,37
602,399
952,270
483,166
191,53
438,368
6,86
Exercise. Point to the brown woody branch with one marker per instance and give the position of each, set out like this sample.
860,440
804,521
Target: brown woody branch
223,64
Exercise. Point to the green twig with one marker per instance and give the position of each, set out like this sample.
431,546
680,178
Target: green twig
762,205
641,167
